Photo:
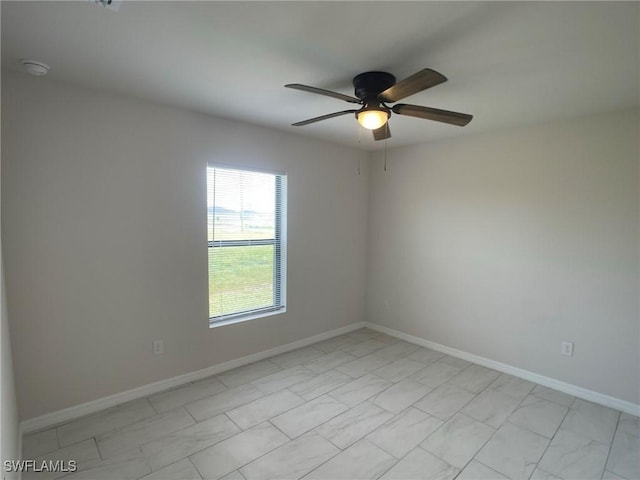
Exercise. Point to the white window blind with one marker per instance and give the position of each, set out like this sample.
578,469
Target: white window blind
246,229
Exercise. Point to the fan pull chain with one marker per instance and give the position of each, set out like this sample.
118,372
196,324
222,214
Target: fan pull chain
385,153
359,136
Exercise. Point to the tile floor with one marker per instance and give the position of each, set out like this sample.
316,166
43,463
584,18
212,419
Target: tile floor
358,406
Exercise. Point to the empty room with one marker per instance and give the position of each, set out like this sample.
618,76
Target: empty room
320,240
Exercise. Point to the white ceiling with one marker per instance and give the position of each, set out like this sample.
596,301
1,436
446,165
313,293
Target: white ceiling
509,63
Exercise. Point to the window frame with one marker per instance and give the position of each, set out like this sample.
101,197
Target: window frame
279,244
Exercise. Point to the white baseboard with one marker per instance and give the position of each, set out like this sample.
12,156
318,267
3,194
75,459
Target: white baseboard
76,411
576,391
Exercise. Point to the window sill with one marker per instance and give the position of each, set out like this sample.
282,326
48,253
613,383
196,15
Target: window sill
246,318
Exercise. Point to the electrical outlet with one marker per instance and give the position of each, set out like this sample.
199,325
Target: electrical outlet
158,347
566,348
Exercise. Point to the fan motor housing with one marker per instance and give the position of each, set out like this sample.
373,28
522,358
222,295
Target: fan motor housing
369,84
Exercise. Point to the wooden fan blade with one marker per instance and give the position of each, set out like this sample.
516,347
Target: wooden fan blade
382,132
322,117
445,116
322,91
417,82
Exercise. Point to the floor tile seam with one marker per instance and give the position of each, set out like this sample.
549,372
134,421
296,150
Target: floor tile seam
389,360
380,446
392,465
63,476
517,397
343,350
422,362
442,459
447,382
273,449
228,438
185,385
223,412
473,457
460,369
277,414
281,431
389,387
268,359
459,411
195,422
405,408
317,426
330,368
229,418
95,440
195,468
356,379
193,453
55,430
406,376
588,437
611,444
553,401
315,430
138,445
483,389
531,431
360,343
71,445
368,399
334,456
483,422
151,472
405,355
389,422
434,416
144,457
506,420
152,405
301,364
148,397
298,366
537,467
528,429
97,413
366,372
325,393
553,437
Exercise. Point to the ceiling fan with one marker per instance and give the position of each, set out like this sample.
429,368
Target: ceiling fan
373,90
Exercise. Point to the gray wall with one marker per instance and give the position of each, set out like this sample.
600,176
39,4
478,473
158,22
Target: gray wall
9,432
503,245
104,235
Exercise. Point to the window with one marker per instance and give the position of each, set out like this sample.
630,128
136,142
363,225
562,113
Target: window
247,239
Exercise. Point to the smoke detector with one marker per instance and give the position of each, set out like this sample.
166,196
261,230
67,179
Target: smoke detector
35,68
109,4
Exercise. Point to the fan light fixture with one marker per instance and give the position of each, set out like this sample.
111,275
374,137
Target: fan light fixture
375,90
372,119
